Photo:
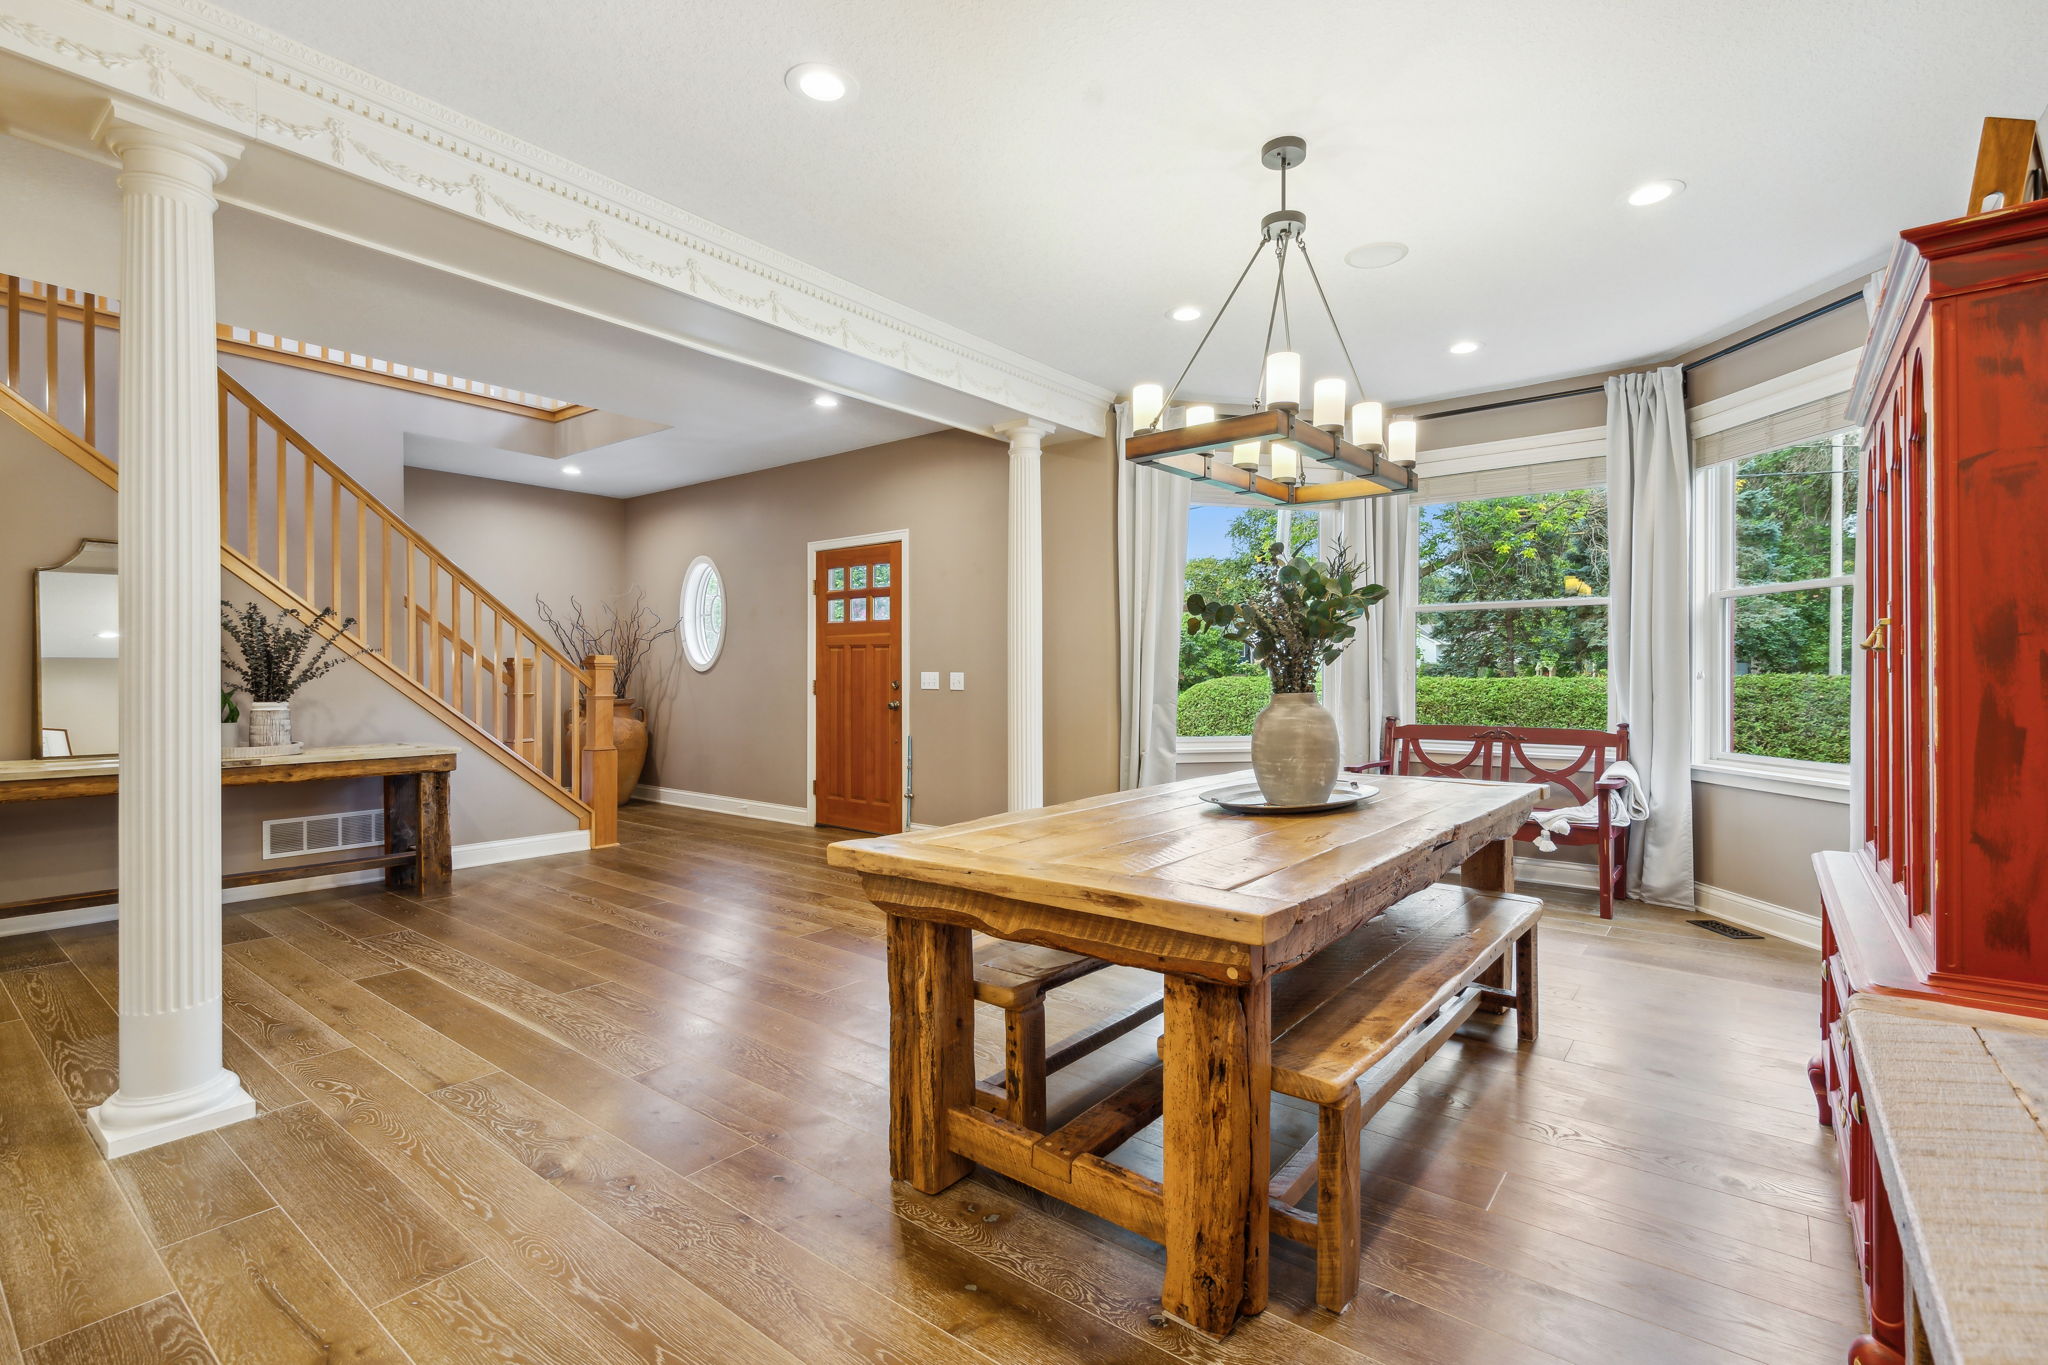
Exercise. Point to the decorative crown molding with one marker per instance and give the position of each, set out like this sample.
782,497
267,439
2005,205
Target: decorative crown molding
235,75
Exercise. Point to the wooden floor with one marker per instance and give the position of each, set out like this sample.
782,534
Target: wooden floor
629,1106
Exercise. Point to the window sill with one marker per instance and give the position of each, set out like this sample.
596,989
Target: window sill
1818,784
1213,749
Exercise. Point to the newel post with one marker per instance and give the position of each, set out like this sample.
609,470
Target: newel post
600,754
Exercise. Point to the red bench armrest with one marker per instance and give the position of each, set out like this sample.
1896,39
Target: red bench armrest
1378,765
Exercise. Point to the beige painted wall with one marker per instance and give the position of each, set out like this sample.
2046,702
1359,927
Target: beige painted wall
520,541
1761,845
739,729
1080,620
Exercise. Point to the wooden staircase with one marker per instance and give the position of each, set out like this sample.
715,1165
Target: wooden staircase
305,535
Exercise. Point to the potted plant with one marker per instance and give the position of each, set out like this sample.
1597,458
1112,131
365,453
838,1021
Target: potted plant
1298,617
230,719
276,663
626,630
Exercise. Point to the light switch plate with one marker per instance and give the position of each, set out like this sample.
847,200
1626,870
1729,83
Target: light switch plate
959,682
928,682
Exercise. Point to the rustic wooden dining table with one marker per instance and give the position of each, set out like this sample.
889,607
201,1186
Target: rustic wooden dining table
1158,879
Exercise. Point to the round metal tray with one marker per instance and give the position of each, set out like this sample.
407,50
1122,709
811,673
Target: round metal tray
1244,798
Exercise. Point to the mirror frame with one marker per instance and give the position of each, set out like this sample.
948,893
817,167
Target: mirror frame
91,556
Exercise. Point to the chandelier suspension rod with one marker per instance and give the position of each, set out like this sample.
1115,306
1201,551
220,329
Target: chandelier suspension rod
1329,313
1211,330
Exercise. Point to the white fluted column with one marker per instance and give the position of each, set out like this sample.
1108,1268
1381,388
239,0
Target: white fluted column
172,1083
1027,612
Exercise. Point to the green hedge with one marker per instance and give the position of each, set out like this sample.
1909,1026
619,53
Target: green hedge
1224,706
1569,703
1793,715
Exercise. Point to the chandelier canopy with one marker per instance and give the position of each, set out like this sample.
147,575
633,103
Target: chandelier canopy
1272,454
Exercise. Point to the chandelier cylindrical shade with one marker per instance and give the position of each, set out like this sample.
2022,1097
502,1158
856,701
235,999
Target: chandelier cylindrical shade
1283,379
1401,440
1368,424
1147,401
1199,414
1329,403
1245,454
1286,462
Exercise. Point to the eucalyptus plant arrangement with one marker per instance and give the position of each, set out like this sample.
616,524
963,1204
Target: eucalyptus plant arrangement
1300,614
275,661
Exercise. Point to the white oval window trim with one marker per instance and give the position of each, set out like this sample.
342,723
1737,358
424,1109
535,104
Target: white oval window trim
703,613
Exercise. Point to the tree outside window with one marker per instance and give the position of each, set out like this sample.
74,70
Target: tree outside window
1221,690
1511,612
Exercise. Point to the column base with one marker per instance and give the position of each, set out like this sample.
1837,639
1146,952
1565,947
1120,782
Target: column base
122,1126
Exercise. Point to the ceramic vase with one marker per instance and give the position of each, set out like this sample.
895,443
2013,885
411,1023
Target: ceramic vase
230,735
1294,750
629,737
270,724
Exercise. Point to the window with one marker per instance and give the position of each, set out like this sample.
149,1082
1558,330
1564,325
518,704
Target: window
1511,611
1222,690
703,613
1777,552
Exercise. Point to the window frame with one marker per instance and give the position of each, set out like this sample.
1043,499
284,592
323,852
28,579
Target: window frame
699,653
1715,527
1417,608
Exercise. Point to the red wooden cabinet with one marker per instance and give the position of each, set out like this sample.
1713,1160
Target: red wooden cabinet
1946,894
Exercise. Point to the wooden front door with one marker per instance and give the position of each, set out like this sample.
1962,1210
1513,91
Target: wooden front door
860,688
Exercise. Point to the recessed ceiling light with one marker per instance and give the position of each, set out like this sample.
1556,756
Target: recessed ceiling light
1464,347
571,471
1187,312
110,635
825,400
816,81
1375,255
1654,192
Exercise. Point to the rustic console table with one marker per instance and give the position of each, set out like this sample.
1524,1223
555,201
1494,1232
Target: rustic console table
416,852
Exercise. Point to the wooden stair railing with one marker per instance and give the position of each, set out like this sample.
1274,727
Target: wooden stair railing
304,534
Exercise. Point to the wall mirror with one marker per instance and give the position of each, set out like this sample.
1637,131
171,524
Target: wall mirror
78,646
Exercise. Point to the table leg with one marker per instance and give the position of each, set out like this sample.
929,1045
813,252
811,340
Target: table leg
402,828
1492,868
1218,1071
931,1048
436,847
416,821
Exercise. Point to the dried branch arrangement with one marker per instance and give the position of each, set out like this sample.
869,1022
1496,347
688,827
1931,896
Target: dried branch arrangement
274,662
626,630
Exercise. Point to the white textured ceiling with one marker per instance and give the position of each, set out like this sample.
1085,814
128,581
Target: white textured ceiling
1054,176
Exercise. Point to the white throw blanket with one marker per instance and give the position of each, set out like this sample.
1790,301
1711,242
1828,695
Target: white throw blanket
1629,805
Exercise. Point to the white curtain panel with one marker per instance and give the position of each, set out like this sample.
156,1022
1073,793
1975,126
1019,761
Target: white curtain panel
1649,672
1375,676
1151,549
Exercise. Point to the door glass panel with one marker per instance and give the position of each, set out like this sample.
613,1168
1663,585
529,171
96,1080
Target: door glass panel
881,608
860,577
835,610
835,580
881,579
860,607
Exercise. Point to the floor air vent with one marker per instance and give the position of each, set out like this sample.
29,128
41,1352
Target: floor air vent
323,833
1724,930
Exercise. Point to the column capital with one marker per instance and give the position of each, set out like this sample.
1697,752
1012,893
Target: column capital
145,138
1025,434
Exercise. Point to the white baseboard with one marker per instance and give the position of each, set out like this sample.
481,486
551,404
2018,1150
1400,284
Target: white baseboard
724,805
1557,872
1747,912
481,854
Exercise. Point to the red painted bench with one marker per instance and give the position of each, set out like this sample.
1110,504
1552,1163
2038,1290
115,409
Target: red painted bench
1496,753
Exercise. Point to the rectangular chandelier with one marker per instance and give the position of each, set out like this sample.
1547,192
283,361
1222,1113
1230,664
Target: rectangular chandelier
1209,452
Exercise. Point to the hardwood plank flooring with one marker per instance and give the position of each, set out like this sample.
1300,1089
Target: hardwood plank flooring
628,1106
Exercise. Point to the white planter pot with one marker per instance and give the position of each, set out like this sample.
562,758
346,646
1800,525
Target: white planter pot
230,735
270,723
1294,750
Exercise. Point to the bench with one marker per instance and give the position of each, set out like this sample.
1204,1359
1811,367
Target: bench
1501,753
1354,1022
1014,977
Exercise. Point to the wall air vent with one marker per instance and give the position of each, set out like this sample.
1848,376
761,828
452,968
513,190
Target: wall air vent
323,833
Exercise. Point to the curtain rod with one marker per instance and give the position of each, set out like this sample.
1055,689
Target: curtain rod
1689,367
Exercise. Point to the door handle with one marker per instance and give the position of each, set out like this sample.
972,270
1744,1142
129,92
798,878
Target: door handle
894,705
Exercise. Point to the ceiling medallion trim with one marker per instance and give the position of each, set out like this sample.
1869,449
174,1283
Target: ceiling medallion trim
217,66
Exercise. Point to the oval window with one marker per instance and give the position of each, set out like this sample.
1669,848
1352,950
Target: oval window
703,613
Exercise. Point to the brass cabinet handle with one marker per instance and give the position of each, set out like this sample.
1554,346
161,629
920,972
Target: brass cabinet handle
894,705
1875,640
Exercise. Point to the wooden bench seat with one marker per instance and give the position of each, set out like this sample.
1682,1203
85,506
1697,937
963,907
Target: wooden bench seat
1355,1021
1015,977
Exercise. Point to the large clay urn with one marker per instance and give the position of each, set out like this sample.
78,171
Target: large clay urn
629,737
